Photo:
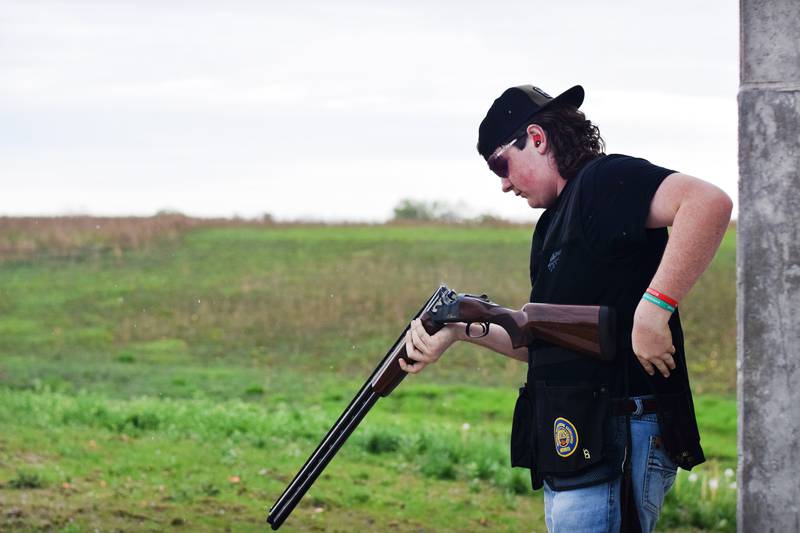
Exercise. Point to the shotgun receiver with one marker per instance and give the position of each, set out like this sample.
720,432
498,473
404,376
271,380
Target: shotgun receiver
585,329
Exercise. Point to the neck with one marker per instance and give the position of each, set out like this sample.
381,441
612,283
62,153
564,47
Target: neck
560,184
552,169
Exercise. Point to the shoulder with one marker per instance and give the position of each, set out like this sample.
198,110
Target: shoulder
616,169
616,175
615,199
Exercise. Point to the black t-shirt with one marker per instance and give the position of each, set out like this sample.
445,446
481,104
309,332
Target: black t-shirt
592,248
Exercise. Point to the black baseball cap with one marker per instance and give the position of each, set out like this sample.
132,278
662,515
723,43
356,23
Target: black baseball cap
515,107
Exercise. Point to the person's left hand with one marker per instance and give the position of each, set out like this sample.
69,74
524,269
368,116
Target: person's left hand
652,339
426,349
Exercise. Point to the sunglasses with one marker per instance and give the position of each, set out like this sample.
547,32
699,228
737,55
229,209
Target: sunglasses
497,164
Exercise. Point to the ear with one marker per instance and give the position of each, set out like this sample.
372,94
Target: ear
537,134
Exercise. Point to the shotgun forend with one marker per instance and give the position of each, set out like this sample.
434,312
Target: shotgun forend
585,329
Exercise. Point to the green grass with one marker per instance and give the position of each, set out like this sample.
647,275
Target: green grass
183,384
175,454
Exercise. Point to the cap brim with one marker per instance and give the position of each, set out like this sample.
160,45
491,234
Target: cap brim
572,96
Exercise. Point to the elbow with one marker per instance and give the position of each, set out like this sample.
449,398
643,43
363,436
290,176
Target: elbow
725,205
718,202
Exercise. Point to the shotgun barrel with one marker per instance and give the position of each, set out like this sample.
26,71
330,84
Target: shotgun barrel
379,384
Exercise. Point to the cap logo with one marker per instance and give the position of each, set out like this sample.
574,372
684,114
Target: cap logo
538,90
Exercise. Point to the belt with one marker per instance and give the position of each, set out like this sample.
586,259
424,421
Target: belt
635,407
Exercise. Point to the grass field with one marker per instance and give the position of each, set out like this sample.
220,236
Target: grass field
179,377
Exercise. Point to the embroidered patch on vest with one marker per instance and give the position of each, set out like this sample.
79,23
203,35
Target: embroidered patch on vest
566,437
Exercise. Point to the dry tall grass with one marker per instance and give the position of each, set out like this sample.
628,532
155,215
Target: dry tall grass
28,237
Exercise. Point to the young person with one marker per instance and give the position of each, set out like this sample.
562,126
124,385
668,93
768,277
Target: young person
602,240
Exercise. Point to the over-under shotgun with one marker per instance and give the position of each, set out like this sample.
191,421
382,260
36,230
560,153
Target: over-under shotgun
585,329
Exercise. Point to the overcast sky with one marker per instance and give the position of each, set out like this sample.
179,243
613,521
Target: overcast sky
337,110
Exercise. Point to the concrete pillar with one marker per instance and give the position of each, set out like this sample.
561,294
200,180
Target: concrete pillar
768,264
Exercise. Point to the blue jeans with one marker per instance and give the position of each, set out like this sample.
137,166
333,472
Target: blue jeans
597,508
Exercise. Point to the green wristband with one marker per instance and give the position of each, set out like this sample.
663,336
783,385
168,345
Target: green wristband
662,304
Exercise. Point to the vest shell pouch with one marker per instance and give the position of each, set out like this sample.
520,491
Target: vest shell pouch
570,425
676,433
523,446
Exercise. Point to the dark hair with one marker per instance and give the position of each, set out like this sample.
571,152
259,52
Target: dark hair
573,138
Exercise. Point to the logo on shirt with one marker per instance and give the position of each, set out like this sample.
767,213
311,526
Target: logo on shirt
566,437
553,263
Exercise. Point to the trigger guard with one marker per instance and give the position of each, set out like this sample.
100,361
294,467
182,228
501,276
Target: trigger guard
484,330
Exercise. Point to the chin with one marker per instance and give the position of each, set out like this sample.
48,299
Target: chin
540,204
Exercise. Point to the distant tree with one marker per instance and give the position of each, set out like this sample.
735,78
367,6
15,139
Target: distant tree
167,212
421,210
488,219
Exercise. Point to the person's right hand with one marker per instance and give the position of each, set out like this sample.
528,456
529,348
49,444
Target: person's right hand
426,349
651,339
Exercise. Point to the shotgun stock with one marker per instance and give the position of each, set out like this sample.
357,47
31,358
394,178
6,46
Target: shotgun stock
586,329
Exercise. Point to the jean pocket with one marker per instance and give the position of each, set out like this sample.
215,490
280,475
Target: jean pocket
658,477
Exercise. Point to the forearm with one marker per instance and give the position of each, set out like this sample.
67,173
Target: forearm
697,231
496,340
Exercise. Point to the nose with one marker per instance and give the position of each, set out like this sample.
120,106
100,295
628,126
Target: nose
505,184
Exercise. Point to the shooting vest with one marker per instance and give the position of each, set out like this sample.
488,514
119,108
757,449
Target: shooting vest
566,268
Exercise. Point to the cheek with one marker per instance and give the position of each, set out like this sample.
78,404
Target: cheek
527,182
